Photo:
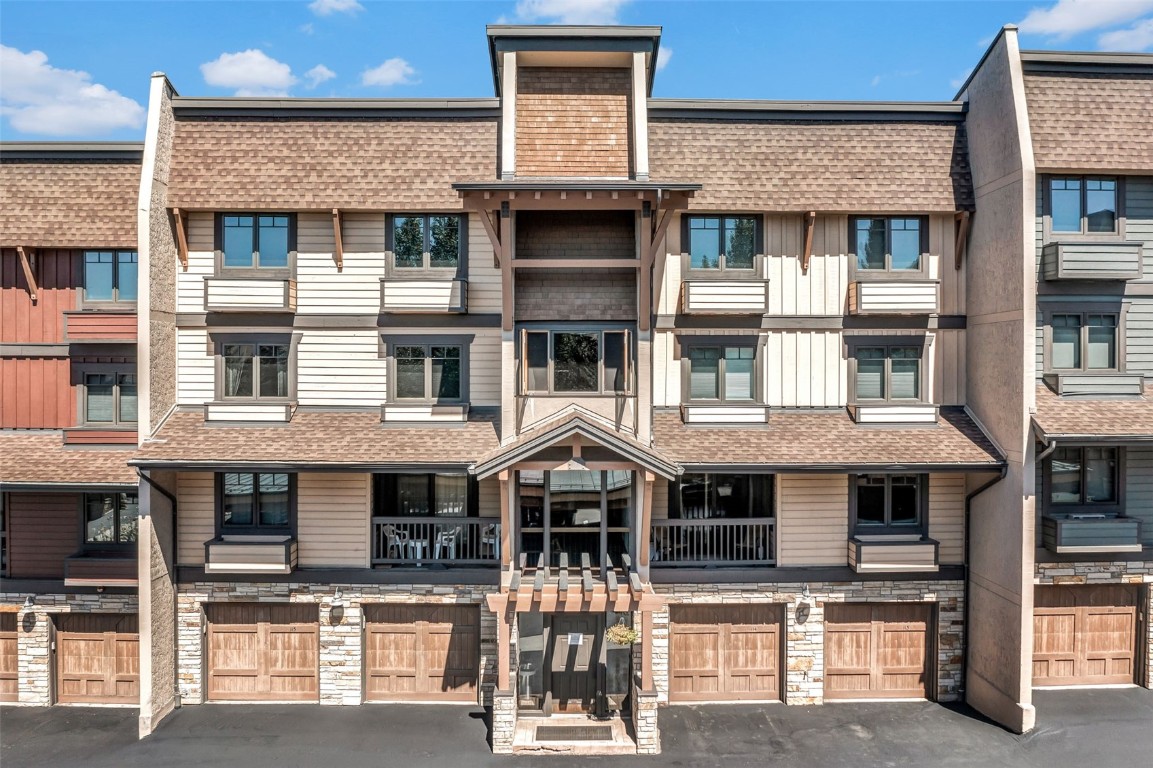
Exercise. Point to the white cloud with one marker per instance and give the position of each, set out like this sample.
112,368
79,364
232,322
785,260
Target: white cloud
250,73
570,11
875,81
395,71
663,55
1070,17
1139,37
39,98
318,75
307,29
329,7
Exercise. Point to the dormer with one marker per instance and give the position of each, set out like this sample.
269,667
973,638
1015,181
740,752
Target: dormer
574,100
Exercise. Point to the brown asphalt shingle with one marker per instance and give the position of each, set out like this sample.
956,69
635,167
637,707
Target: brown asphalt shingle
826,439
1058,415
1093,122
41,457
858,167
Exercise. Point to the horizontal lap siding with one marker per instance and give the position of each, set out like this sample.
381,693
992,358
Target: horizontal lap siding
484,281
947,516
200,232
196,372
354,290
102,325
1139,490
332,520
43,529
1139,337
660,499
340,368
813,520
195,522
489,497
484,365
252,295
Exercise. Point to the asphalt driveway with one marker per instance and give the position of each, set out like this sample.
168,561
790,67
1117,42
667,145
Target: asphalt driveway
1099,728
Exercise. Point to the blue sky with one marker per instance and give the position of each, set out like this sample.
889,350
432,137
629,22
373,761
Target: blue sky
80,70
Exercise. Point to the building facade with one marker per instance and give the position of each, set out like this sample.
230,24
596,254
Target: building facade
577,402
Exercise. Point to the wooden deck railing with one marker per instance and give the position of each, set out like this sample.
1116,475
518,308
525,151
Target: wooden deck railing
445,540
701,543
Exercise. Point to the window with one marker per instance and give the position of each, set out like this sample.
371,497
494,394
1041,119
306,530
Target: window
888,373
110,518
110,276
725,374
429,372
1084,342
721,242
889,244
425,241
1084,476
1082,205
256,241
705,496
255,371
424,495
260,501
575,362
575,513
888,503
109,398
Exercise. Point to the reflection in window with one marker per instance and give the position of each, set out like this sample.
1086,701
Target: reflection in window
888,243
429,242
255,500
706,496
1083,205
888,502
110,275
722,242
1083,476
110,518
255,370
256,241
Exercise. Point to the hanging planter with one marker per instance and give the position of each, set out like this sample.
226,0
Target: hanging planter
622,634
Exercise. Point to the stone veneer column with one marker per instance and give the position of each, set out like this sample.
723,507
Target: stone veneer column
804,650
341,653
503,720
32,638
648,735
190,645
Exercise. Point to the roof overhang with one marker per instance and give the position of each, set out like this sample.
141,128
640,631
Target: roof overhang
229,106
1087,62
1089,438
295,466
107,151
575,185
841,469
851,111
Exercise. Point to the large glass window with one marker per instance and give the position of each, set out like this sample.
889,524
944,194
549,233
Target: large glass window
576,361
888,373
421,241
255,370
726,374
721,242
110,276
889,502
1083,342
1082,205
889,244
255,500
110,398
575,513
421,495
256,241
1084,476
429,372
110,518
705,496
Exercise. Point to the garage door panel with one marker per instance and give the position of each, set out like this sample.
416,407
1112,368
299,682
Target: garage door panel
877,650
1085,635
722,653
97,659
9,659
422,653
263,652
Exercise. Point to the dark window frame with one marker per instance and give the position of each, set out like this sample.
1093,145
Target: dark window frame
856,343
116,545
385,490
387,350
426,270
217,342
921,527
115,301
1084,235
602,389
256,529
255,270
82,371
1113,508
722,269
1084,310
857,273
546,528
721,343
766,481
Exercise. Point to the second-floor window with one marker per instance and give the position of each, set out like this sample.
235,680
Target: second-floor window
888,373
256,241
255,371
1084,342
425,241
701,496
429,372
576,361
110,276
888,503
110,518
255,501
109,398
886,244
721,242
724,374
423,495
1084,476
1082,205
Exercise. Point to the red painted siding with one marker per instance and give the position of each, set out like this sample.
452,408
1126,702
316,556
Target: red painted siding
86,436
43,529
100,326
35,393
59,275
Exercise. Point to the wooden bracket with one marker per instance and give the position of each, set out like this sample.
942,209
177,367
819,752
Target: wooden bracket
338,251
493,236
181,238
29,272
962,219
807,252
659,233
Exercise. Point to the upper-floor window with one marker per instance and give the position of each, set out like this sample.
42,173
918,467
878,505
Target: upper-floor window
705,496
255,371
888,503
256,241
255,501
110,518
575,361
425,241
429,372
1083,205
423,495
888,373
721,242
109,398
1082,476
725,374
889,244
1084,342
110,276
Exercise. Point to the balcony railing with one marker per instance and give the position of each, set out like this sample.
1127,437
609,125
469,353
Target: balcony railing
703,543
441,541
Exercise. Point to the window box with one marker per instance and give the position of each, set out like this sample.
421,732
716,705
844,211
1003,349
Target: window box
913,413
99,436
887,381
894,553
100,326
1108,384
250,554
896,297
249,294
453,413
417,294
1090,532
753,413
254,411
1080,260
715,297
101,569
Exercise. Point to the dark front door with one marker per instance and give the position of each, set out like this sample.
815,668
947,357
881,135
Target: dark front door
574,656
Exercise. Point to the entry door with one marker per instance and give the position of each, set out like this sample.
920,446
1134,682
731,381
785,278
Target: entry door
575,651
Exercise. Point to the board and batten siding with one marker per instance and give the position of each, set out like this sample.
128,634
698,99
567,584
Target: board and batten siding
196,368
342,368
1139,490
332,519
196,521
804,369
812,520
355,290
947,516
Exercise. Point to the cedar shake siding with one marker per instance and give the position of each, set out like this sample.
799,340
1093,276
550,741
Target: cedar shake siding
388,164
573,122
44,529
576,295
575,235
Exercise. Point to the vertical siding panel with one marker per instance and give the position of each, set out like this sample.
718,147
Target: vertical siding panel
947,516
1139,490
196,522
813,519
484,284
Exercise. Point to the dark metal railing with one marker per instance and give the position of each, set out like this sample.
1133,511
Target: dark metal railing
700,543
444,540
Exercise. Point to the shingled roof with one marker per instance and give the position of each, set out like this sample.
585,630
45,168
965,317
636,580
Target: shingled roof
1091,121
356,439
832,166
68,203
1120,420
827,440
320,163
41,458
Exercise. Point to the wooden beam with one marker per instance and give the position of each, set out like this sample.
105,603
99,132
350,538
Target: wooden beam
962,232
646,523
503,478
507,284
660,232
644,285
493,236
503,650
575,263
181,238
807,253
646,651
29,273
338,240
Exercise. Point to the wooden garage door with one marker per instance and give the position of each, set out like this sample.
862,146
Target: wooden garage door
97,658
263,652
725,652
1084,635
421,652
877,650
9,674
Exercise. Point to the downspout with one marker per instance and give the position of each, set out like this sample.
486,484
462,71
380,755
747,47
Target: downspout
175,541
968,527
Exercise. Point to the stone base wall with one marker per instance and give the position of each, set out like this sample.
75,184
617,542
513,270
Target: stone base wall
341,634
648,735
34,634
1134,572
503,721
804,635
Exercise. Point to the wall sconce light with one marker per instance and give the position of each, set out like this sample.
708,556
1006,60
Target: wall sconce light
29,603
338,598
336,607
805,591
